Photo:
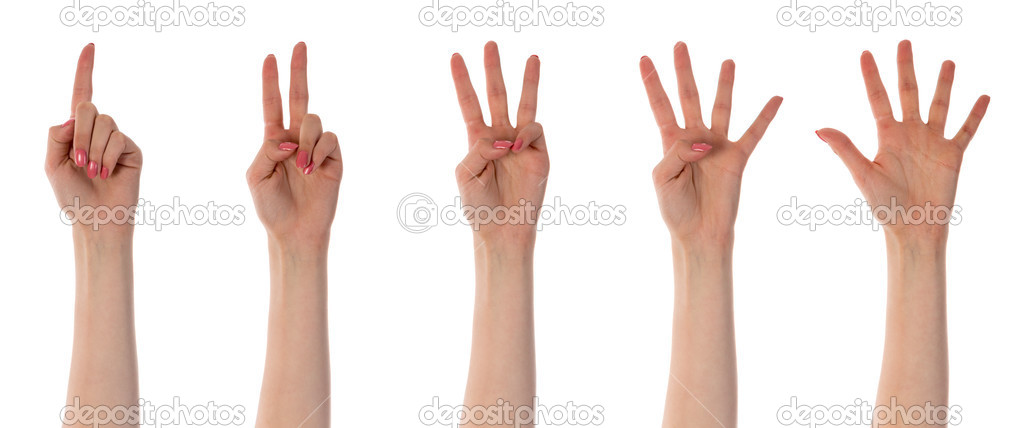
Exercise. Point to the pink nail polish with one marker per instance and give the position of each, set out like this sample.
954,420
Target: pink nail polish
93,169
517,146
287,146
104,173
700,147
502,144
80,157
818,132
308,170
69,121
303,159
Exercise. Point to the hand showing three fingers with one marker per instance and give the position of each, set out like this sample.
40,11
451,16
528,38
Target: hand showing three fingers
296,175
915,164
507,165
699,178
89,160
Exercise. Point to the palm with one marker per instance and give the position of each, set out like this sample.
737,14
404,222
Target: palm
509,179
706,195
916,168
507,165
698,180
70,182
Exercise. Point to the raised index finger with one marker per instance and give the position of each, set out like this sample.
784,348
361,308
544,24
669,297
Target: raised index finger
273,111
467,100
83,77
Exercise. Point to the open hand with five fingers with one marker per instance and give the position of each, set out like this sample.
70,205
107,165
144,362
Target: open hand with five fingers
699,178
89,162
296,175
507,165
915,164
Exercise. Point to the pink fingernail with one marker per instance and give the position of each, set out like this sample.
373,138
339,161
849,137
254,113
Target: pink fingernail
503,144
287,146
517,146
93,169
308,170
80,157
700,147
104,173
818,132
69,121
303,159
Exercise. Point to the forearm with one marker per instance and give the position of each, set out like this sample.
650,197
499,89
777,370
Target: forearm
104,365
914,369
503,359
296,378
702,386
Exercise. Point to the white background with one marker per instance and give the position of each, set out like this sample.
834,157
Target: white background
809,305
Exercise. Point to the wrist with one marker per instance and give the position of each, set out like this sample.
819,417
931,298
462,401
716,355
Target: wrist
703,249
928,246
298,250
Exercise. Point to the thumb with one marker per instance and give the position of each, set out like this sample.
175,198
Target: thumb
270,154
846,151
678,156
58,146
479,157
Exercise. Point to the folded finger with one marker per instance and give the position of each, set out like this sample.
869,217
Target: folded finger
85,119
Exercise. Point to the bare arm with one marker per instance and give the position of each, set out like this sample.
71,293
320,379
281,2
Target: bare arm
294,180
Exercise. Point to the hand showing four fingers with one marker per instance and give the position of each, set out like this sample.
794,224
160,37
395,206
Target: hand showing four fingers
698,180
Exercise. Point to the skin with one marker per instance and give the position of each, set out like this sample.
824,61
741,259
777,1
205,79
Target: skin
506,164
698,184
916,165
89,160
294,180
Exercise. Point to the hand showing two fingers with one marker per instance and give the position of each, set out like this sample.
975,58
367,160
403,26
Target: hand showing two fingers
296,176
